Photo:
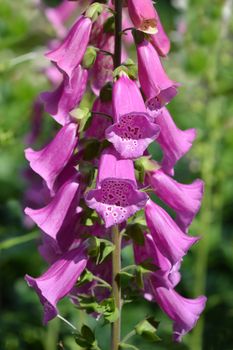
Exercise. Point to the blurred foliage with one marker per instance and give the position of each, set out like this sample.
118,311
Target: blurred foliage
201,59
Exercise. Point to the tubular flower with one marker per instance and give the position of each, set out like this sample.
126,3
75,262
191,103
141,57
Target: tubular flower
184,312
160,40
67,96
116,197
58,280
184,199
143,15
157,87
46,162
58,213
70,53
174,142
132,131
170,240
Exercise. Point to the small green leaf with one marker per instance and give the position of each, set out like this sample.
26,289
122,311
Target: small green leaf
100,249
135,232
109,25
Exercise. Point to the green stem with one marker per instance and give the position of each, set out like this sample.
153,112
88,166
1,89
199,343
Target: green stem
116,289
118,30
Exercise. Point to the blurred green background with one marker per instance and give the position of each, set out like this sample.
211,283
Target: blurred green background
201,59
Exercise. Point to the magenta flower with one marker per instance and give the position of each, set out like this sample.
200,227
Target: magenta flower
132,131
157,87
184,312
170,240
60,102
58,280
99,123
59,15
174,142
70,53
142,14
55,217
51,160
184,199
160,40
167,275
116,197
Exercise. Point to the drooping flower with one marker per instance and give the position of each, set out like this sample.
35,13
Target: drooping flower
99,122
51,160
184,199
170,240
70,53
166,275
132,131
142,14
158,88
58,280
160,40
116,197
60,102
184,312
174,142
59,15
55,218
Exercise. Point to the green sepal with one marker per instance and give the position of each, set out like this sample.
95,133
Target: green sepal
86,277
89,57
148,329
82,115
106,308
94,11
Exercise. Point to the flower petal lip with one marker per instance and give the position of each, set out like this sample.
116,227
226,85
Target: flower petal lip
132,134
118,202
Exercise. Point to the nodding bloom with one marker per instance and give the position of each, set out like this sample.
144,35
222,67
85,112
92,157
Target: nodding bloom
184,199
55,217
132,131
170,240
99,122
174,142
184,312
103,67
60,102
59,15
166,275
160,40
59,280
157,87
116,196
52,159
70,53
143,16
